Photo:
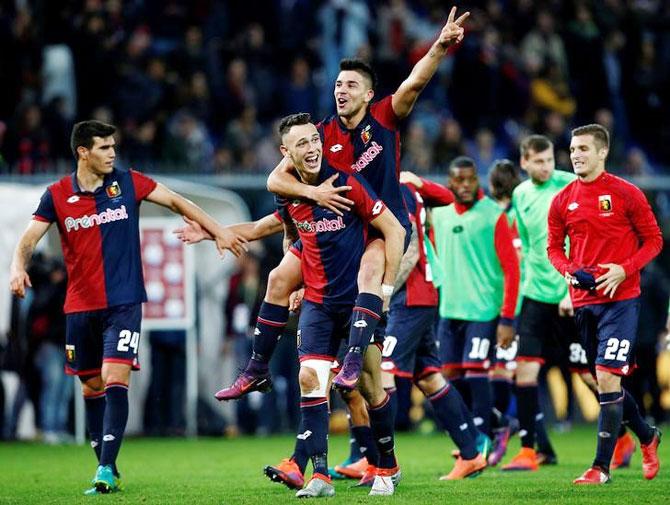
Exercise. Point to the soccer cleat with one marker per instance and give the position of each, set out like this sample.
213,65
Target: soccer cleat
347,378
623,452
245,383
525,460
466,468
500,445
354,470
593,475
118,486
287,472
368,477
483,446
104,481
650,462
383,483
318,486
546,458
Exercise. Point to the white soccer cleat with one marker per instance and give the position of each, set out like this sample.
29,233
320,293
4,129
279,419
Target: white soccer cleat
382,486
317,487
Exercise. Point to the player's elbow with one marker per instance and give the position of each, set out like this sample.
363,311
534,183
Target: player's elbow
273,182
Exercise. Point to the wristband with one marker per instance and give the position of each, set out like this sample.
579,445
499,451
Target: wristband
387,289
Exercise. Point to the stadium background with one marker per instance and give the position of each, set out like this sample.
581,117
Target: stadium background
196,88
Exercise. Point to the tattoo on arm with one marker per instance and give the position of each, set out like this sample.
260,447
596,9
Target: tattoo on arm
409,259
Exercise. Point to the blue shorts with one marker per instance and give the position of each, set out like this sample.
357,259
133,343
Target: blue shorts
321,330
108,335
410,345
609,332
466,345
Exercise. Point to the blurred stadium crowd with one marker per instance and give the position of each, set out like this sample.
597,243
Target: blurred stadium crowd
197,85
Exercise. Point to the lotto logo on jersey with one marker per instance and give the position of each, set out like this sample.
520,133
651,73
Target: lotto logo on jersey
321,225
106,216
605,203
69,353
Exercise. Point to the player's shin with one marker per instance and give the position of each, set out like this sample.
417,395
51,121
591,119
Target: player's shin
270,324
114,422
450,413
633,419
95,412
609,422
382,421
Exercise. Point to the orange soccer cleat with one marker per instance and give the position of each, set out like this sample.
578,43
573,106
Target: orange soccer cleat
593,475
650,462
287,472
466,468
525,460
354,470
623,451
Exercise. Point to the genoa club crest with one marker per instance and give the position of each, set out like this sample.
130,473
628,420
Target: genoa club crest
605,203
366,135
113,190
69,353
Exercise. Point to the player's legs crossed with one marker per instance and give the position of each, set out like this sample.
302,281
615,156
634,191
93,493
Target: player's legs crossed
271,321
366,314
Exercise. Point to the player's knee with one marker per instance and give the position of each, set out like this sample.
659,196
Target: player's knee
278,287
527,372
91,386
313,378
589,380
431,383
370,275
308,380
608,382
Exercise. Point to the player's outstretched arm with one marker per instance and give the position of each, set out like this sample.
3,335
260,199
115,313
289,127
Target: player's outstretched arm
283,182
407,93
394,239
18,276
268,225
224,238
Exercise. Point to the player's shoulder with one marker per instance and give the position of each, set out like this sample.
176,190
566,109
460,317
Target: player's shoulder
522,189
621,184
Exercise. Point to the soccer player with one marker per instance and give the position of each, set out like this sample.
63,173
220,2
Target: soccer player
546,311
478,299
361,137
503,178
96,210
410,346
332,248
613,234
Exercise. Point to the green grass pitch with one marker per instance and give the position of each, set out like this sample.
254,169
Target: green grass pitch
230,472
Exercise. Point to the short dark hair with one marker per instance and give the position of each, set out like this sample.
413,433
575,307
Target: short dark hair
503,178
84,131
292,120
600,134
535,143
462,162
362,68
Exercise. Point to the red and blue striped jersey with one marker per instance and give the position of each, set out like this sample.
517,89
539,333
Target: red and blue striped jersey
100,238
332,245
372,149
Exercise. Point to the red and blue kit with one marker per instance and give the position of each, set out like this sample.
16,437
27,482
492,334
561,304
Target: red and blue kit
372,149
332,248
100,238
410,347
607,220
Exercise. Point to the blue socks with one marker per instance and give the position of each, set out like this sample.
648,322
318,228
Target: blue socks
450,413
114,422
527,407
315,418
270,324
366,442
609,422
482,402
364,320
633,419
95,412
382,423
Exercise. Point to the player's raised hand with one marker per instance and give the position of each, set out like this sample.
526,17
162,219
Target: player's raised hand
329,197
18,282
452,32
407,177
225,239
192,233
610,280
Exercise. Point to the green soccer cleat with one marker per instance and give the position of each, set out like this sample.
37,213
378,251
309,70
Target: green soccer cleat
104,482
484,445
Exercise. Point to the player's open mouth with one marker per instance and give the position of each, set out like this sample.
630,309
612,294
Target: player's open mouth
578,163
341,102
312,161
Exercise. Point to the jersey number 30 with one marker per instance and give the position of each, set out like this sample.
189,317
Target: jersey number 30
128,339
